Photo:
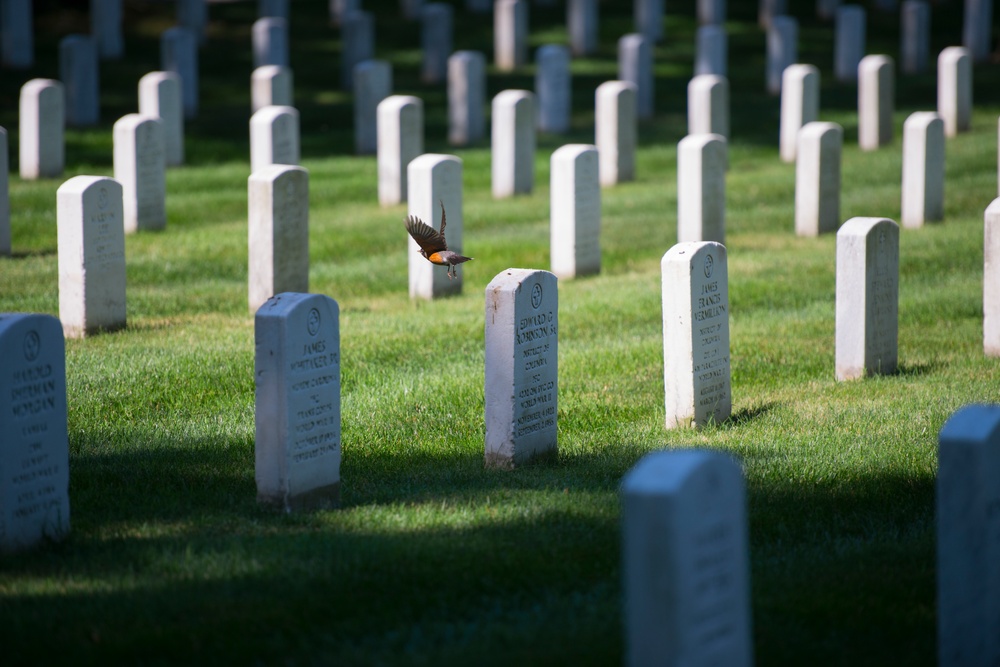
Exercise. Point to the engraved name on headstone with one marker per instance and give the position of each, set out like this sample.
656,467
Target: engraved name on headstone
695,279
522,357
34,458
297,399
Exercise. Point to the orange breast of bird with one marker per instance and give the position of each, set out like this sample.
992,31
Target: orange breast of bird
436,258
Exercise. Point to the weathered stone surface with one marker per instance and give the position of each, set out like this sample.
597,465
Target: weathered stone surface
522,367
41,121
923,169
575,211
701,188
817,179
615,129
513,141
141,167
278,241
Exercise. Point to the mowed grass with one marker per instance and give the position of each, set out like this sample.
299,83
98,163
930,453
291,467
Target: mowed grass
434,560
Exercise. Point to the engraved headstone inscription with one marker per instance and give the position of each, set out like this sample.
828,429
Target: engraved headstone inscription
522,357
34,456
696,372
297,398
91,240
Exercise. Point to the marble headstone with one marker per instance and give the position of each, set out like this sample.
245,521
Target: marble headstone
954,91
711,51
78,71
685,556
466,97
435,41
297,401
271,86
991,279
648,19
817,178
923,169
914,36
106,28
522,367
968,538
278,242
140,167
34,458
160,97
782,50
179,54
876,101
17,34
513,141
615,129
274,137
635,65
270,42
581,21
708,105
41,119
357,31
575,211
435,181
400,139
553,88
696,375
849,42
372,84
701,188
510,34
799,106
5,248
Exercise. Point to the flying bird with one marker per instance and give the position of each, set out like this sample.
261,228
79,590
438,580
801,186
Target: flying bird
432,244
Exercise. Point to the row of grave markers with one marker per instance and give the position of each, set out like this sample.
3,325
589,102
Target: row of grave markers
684,518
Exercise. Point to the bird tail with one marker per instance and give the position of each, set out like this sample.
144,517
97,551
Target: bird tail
458,259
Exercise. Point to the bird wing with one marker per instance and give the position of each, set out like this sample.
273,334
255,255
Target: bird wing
443,223
428,238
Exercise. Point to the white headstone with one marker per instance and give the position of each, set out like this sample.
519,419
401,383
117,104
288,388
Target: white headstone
357,30
271,86
977,29
552,88
513,142
140,167
41,119
991,279
581,19
708,105
466,97
17,34
193,15
372,84
955,89
34,459
278,232
434,181
876,101
767,10
711,51
968,551
817,179
923,169
106,28
160,97
78,73
5,247
400,139
849,42
701,188
436,30
615,131
686,561
274,137
297,401
575,211
648,15
782,50
799,106
91,239
914,36
522,367
270,42
635,65
510,34
695,280
179,54
867,297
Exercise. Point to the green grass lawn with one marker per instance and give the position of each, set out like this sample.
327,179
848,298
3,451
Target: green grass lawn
434,560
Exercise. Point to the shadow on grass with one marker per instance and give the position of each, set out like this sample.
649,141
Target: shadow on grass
749,415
